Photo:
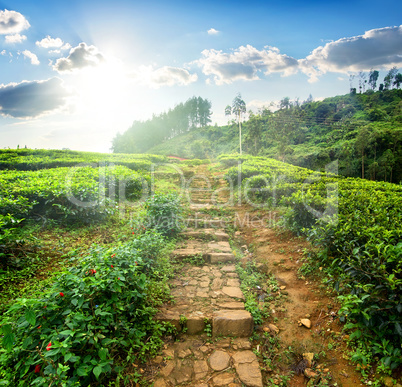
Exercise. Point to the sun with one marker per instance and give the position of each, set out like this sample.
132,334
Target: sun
103,92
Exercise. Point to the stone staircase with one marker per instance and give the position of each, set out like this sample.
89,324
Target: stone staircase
208,298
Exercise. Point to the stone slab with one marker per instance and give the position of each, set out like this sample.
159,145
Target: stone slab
219,360
232,323
221,257
229,269
232,305
248,369
189,253
169,316
219,247
233,291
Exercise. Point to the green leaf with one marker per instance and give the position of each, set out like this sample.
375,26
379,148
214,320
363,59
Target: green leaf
8,341
30,316
97,371
74,359
27,342
67,356
6,329
106,342
82,371
67,332
102,353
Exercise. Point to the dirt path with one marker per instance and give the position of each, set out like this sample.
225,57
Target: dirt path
300,342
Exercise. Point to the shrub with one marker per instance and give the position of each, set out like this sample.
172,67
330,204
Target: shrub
96,316
164,213
73,194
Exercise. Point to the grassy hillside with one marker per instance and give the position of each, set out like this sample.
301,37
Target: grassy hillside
363,132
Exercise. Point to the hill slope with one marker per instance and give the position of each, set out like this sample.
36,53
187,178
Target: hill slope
363,132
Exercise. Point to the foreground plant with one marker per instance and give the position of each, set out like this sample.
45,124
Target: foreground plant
95,316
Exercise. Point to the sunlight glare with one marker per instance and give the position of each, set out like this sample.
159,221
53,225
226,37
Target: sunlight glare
103,92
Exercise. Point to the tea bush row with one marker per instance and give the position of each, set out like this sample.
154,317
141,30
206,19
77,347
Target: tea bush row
358,225
97,318
35,159
80,193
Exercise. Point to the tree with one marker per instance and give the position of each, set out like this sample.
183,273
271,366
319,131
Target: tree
362,81
388,79
285,103
398,80
361,143
373,77
352,90
238,108
254,133
308,100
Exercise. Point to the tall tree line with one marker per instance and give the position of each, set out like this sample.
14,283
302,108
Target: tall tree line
143,135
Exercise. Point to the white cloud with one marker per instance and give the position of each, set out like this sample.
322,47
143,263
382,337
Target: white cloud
213,31
379,48
56,43
32,99
245,63
66,46
164,76
4,52
49,42
16,38
79,58
30,55
255,105
12,22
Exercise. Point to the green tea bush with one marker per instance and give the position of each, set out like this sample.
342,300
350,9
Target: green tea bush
193,162
96,318
71,194
35,159
12,251
165,213
358,226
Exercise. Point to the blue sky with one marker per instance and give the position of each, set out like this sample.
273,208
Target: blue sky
74,73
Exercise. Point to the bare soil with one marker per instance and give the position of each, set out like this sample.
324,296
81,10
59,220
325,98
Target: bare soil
282,254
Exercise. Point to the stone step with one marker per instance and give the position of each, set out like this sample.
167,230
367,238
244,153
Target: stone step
231,323
212,252
219,247
203,206
206,234
200,200
226,322
221,257
206,294
206,223
209,257
190,253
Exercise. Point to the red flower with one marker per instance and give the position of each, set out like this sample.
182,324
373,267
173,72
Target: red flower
37,369
49,346
113,255
135,262
39,326
133,232
61,294
111,266
118,278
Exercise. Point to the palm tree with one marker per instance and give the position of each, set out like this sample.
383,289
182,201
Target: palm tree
237,109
